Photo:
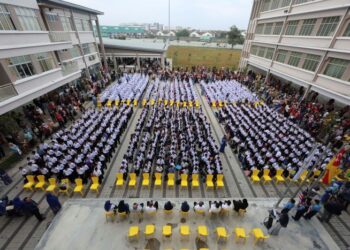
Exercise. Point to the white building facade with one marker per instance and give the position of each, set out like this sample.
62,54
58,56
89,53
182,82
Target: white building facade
306,42
44,45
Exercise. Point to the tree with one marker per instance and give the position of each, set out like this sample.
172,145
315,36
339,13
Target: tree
183,33
235,36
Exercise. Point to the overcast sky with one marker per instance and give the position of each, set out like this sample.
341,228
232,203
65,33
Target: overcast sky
198,14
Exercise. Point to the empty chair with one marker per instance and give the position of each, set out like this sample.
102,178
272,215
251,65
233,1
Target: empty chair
259,235
279,177
240,234
41,184
209,181
145,180
185,232
149,230
221,233
266,177
132,180
95,185
30,182
220,181
158,181
202,232
79,187
195,180
133,233
184,182
52,185
303,175
171,180
120,180
65,182
255,177
167,231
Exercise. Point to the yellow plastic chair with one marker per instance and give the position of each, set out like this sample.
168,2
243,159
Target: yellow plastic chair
122,215
132,180
171,180
184,182
120,180
66,191
109,214
279,178
202,232
221,234
200,212
41,184
158,181
185,232
291,172
220,181
266,177
167,231
79,187
145,180
209,181
168,212
240,234
241,212
52,185
133,233
316,174
259,235
30,182
303,175
95,185
184,214
255,177
149,230
195,180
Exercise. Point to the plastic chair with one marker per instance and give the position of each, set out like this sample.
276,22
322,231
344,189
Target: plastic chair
66,191
200,212
221,234
168,212
167,231
279,177
171,180
266,177
145,180
202,232
195,180
184,214
303,176
79,187
30,182
209,181
52,185
122,215
255,177
132,180
109,214
158,181
41,184
314,176
220,181
240,234
133,233
95,185
185,232
184,182
120,180
259,235
149,230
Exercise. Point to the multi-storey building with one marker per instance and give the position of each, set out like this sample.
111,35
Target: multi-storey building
44,44
306,42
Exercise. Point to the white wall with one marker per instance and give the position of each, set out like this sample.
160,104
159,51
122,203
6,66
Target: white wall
23,3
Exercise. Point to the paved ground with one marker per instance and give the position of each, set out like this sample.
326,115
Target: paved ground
25,233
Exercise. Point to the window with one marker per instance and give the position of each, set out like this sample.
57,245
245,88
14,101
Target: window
307,27
74,52
78,24
285,3
261,52
347,31
268,28
266,5
278,28
291,27
45,61
275,4
21,66
281,56
294,59
269,53
311,62
86,25
254,49
66,24
259,28
336,67
5,19
28,18
302,1
328,26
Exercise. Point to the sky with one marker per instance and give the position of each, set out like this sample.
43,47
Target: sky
197,14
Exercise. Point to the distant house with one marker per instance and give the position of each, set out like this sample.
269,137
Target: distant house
159,33
195,34
207,35
171,33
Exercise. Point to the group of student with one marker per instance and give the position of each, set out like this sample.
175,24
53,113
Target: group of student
171,139
82,150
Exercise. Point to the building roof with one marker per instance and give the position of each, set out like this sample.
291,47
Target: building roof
138,44
71,5
106,30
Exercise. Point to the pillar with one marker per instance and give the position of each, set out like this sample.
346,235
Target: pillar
138,61
115,64
162,61
102,47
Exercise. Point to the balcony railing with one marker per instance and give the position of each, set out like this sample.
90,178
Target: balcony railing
70,67
60,36
7,91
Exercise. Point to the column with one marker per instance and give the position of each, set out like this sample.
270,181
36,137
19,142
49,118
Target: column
115,64
138,61
162,61
102,47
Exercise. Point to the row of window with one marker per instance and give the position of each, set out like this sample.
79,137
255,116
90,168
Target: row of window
262,51
22,66
327,27
276,4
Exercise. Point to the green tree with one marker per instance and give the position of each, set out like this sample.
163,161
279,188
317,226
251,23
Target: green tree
183,33
235,36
